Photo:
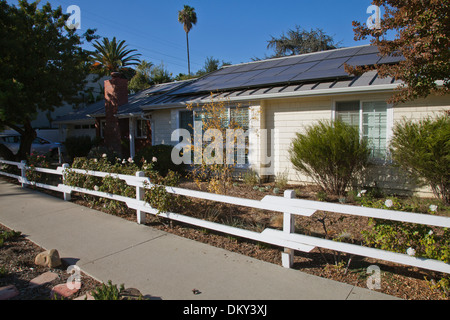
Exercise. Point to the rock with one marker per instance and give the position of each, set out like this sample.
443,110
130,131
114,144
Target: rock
8,292
63,291
130,294
49,258
43,279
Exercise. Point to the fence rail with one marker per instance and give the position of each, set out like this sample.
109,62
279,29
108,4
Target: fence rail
288,205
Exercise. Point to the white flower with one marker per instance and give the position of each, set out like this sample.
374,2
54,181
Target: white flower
411,252
389,203
95,160
361,193
430,232
96,188
154,159
124,161
104,155
130,160
433,207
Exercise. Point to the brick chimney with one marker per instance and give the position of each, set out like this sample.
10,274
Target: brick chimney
116,95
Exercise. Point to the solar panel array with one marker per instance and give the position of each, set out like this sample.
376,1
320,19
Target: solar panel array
294,69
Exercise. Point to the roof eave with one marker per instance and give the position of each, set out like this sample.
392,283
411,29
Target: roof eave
311,93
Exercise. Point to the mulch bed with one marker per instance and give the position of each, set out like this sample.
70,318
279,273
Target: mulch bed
396,280
17,268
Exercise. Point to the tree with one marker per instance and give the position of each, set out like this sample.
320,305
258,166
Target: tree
422,37
211,65
188,18
113,56
160,74
43,66
142,79
300,41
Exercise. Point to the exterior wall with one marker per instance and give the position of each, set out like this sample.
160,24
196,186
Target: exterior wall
422,108
288,116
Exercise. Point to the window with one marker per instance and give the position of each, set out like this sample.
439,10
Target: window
232,118
102,128
141,129
370,117
186,121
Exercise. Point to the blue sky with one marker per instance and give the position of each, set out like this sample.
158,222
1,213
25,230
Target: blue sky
233,30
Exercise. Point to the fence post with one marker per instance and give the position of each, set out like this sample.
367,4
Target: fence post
23,173
287,257
140,196
67,195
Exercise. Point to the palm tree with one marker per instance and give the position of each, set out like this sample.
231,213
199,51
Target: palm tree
113,56
188,18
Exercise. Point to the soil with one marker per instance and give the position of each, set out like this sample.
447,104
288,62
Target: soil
397,280
17,268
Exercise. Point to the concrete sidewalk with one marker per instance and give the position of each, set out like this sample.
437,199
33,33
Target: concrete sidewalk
157,263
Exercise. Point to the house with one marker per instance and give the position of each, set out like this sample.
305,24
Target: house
131,128
45,124
283,96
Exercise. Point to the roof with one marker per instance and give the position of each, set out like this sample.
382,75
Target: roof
133,107
309,74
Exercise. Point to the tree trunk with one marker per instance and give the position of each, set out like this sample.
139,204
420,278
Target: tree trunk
189,62
28,135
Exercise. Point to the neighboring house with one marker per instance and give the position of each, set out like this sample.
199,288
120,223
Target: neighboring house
284,96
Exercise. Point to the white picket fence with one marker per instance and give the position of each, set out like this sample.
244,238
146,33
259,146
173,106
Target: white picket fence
288,205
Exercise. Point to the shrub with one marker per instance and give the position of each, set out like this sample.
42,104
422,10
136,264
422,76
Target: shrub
37,161
163,156
107,184
98,152
331,153
108,292
251,178
78,146
423,150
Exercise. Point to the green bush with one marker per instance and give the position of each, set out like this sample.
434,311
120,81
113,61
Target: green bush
78,146
331,153
108,292
422,148
163,156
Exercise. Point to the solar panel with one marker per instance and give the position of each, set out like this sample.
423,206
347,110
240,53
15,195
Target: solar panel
301,68
362,60
268,64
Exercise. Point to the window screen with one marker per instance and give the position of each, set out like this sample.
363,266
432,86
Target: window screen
348,112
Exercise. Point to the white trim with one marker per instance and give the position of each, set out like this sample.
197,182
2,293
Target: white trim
389,123
131,136
310,93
